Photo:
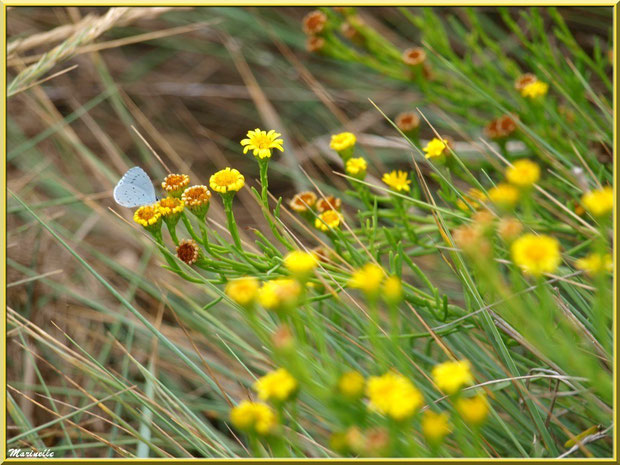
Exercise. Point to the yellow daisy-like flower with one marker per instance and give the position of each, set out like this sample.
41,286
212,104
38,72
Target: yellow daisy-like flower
227,180
393,395
343,141
535,89
450,377
536,255
397,180
435,426
148,215
279,294
599,202
278,386
351,384
356,167
243,291
300,263
261,143
435,148
327,220
473,410
523,173
175,184
368,279
505,196
170,206
254,416
595,263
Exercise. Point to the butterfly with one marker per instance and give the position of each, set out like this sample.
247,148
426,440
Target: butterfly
135,189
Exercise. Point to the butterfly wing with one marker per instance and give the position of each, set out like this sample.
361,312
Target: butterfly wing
135,189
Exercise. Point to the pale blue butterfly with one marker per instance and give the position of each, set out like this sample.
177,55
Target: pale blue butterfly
135,189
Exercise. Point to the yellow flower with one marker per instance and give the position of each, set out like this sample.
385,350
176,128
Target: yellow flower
473,410
595,263
148,216
261,143
435,148
279,294
474,198
303,201
278,386
327,220
175,184
300,263
397,180
227,180
536,255
505,196
368,279
356,167
343,141
351,384
523,173
599,202
435,426
393,395
392,290
254,416
535,89
170,206
450,377
243,290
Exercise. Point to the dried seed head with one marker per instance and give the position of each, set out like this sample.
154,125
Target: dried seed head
188,251
414,56
407,121
314,22
315,44
303,201
328,203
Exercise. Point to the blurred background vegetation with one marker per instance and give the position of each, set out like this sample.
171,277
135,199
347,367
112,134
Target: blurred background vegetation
191,81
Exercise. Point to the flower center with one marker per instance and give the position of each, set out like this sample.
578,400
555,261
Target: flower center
147,213
226,178
262,142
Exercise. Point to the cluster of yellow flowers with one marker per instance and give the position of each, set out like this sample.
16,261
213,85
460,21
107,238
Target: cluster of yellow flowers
258,417
280,294
324,213
394,396
372,279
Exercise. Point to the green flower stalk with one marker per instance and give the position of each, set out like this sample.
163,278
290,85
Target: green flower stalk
171,209
227,183
197,199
